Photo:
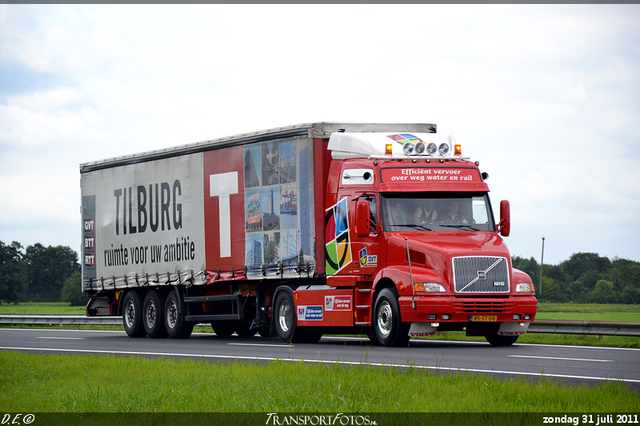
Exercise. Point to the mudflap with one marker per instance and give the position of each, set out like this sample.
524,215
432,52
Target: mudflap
422,329
512,329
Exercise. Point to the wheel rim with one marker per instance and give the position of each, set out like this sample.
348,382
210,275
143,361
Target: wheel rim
284,316
385,318
130,314
151,314
172,317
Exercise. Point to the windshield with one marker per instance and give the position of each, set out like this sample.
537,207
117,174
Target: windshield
436,212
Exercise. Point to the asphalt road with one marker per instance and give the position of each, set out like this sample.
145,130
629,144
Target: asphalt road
572,365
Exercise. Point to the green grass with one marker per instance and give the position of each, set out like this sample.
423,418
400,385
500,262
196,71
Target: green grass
34,308
589,312
53,383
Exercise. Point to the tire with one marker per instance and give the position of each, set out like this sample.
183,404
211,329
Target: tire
153,314
176,326
222,328
387,322
132,315
284,316
495,340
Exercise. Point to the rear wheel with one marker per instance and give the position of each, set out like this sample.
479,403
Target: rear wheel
177,327
284,316
153,314
387,323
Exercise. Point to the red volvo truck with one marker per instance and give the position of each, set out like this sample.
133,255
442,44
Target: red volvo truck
377,229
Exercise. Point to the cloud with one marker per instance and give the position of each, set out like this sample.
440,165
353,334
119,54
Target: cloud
544,96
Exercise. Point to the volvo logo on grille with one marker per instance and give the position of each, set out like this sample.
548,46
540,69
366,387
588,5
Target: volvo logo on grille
482,275
499,284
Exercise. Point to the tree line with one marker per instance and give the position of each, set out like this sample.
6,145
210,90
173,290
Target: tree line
585,278
52,274
39,274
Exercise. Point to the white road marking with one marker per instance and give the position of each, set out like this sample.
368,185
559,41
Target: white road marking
283,345
559,358
59,338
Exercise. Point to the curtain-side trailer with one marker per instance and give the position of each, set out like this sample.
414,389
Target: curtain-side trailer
379,229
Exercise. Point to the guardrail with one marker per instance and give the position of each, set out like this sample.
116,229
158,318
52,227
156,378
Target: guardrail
604,328
539,326
59,320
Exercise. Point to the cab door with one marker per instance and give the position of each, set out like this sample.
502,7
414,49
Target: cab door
366,245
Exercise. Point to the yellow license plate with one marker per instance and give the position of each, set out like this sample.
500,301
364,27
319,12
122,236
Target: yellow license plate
483,318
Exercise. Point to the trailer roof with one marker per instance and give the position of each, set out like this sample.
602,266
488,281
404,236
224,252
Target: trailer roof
312,130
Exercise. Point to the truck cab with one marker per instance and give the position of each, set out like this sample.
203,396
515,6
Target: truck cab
412,227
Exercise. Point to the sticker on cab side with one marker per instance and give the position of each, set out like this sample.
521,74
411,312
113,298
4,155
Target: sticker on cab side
337,303
310,313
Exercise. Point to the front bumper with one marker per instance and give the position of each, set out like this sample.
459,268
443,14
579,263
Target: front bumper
464,309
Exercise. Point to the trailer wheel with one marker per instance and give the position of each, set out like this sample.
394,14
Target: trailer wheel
284,316
388,325
132,315
177,327
153,314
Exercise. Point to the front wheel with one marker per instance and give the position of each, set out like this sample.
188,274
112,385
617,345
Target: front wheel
388,326
496,340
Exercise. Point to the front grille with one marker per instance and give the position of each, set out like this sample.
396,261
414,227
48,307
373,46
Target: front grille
481,275
478,307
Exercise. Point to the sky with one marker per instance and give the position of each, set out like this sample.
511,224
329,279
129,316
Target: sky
545,97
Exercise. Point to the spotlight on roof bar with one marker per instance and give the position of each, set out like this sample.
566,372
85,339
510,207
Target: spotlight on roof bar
431,148
420,148
443,149
407,148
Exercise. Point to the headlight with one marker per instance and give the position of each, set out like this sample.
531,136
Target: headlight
429,288
524,288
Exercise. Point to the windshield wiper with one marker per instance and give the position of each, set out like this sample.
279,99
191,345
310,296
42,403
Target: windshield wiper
460,226
414,226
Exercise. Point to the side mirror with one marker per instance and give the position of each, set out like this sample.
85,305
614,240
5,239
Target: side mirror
362,218
504,227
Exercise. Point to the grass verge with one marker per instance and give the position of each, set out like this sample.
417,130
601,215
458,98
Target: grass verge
53,383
